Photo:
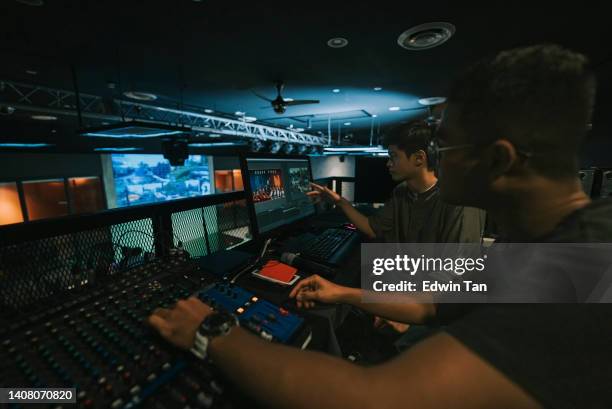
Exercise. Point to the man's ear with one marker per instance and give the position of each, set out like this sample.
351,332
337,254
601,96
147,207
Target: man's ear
420,158
501,157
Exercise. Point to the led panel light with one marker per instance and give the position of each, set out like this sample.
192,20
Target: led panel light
135,130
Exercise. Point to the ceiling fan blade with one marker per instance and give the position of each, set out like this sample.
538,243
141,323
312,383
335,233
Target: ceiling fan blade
301,102
261,96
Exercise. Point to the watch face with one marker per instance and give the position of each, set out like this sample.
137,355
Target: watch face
218,323
216,320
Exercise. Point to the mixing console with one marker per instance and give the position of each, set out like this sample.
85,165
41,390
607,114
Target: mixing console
99,344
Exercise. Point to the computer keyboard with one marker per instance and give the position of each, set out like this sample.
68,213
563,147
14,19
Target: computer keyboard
326,244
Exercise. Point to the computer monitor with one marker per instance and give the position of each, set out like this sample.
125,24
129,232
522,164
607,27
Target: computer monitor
373,183
277,188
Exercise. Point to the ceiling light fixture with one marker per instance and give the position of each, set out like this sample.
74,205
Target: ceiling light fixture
337,42
214,135
24,145
250,119
374,116
394,108
432,101
214,144
117,149
44,117
335,90
347,124
426,36
239,113
209,111
140,96
377,88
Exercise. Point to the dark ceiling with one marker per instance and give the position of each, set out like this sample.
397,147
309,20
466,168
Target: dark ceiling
213,54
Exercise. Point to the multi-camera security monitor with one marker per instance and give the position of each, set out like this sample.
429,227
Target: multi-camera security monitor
278,186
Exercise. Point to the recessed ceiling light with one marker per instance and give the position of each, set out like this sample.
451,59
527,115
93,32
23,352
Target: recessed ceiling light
394,108
239,113
347,124
250,119
335,90
288,99
117,149
432,101
337,42
44,117
377,88
24,145
209,111
140,96
426,36
374,116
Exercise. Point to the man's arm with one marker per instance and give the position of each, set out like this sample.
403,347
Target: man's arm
359,220
438,373
317,289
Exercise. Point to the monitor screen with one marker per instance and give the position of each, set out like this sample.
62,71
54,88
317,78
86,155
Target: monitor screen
141,179
279,187
373,183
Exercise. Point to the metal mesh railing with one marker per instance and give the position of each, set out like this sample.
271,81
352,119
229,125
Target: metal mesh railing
42,263
212,228
34,271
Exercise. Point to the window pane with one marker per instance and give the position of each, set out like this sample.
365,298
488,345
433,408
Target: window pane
45,198
86,194
223,181
10,207
238,180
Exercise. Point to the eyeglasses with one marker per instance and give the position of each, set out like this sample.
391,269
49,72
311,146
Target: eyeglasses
434,151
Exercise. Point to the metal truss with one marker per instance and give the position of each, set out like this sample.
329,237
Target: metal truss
61,102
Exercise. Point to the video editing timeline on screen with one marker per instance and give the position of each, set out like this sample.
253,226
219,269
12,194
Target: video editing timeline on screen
279,189
99,344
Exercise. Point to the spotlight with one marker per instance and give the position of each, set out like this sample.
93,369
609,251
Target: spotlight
301,149
256,145
274,147
176,151
288,148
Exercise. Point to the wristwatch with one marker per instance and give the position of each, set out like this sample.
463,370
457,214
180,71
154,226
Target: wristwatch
214,325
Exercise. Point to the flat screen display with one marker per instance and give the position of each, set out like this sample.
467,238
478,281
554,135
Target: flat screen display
141,179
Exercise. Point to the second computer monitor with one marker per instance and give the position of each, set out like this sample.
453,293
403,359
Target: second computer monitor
278,187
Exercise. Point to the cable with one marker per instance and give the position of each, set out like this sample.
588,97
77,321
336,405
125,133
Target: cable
253,264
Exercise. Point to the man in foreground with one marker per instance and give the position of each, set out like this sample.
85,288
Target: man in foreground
508,144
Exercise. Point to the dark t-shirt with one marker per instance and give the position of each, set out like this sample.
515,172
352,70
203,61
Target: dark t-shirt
423,218
561,354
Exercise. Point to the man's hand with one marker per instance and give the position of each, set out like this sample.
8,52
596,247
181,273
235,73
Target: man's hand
323,192
316,288
179,324
399,327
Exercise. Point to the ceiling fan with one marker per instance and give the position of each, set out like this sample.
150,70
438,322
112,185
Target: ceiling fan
279,104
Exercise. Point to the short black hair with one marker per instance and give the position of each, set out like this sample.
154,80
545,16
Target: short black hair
410,137
540,98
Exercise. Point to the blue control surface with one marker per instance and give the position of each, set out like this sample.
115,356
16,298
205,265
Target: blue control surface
260,316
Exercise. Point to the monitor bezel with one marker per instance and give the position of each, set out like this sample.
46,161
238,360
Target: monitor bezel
246,181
